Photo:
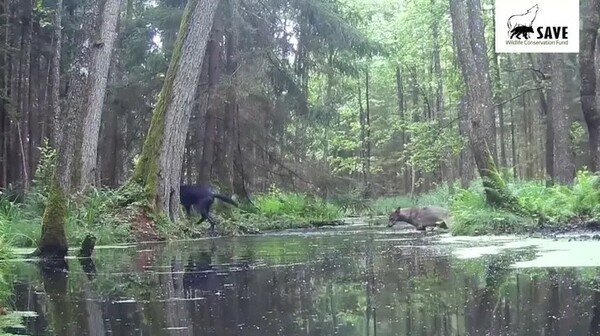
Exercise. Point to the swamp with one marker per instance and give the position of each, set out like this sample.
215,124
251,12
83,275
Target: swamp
355,280
299,167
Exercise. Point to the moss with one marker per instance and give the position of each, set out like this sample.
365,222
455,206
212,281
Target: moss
146,172
53,242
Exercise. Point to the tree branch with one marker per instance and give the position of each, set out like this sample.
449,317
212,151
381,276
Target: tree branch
537,71
523,92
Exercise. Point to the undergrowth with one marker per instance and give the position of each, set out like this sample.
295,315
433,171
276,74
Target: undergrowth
555,206
100,212
385,205
109,215
276,210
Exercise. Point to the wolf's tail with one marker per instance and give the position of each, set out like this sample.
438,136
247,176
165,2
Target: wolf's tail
225,199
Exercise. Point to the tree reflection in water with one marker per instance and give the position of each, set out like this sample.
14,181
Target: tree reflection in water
354,284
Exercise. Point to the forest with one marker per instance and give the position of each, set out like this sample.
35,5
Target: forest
306,111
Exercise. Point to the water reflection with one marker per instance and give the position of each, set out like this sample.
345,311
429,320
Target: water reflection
363,283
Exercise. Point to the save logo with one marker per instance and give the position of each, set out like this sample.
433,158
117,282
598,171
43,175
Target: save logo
546,26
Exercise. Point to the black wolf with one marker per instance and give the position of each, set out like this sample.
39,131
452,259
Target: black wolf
422,217
201,198
521,31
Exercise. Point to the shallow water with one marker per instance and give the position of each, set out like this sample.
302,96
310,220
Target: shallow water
352,280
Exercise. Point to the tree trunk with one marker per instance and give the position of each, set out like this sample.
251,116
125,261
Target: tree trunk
498,96
225,170
159,167
444,172
109,132
57,118
77,95
587,70
241,176
400,95
544,101
466,156
53,241
513,143
472,56
125,149
24,101
367,138
36,116
564,166
4,102
210,129
14,147
363,138
223,162
100,64
527,131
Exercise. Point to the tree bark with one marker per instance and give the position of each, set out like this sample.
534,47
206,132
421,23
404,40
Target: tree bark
100,64
57,119
466,156
587,70
564,166
24,101
159,168
225,171
498,96
367,137
545,101
210,129
53,240
401,103
110,149
363,138
472,56
78,94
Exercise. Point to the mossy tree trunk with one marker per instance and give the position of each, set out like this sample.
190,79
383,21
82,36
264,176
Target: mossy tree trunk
53,241
472,57
159,167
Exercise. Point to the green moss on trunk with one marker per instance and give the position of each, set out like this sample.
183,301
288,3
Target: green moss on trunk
53,242
147,170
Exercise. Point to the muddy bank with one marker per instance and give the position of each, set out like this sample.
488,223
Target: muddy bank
575,230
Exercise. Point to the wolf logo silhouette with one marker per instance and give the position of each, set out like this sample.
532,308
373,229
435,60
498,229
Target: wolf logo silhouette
521,24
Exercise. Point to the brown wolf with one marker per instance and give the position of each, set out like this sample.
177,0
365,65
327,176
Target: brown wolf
422,217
